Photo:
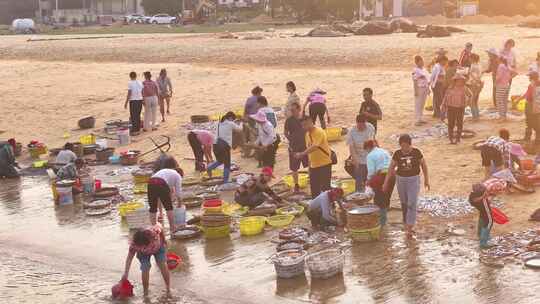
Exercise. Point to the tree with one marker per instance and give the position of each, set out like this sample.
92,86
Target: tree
171,7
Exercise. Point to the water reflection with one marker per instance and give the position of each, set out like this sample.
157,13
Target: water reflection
323,290
293,288
219,251
10,194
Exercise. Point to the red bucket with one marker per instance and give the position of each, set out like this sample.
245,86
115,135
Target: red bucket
122,290
213,203
498,216
173,261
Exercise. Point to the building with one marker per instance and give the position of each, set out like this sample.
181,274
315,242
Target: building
239,3
468,7
87,10
399,8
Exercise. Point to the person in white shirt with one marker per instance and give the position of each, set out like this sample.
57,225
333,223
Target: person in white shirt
162,187
223,144
268,111
65,156
421,89
135,99
359,134
437,83
267,140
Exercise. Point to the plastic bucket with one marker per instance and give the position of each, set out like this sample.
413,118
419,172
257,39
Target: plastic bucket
123,136
180,216
102,142
65,195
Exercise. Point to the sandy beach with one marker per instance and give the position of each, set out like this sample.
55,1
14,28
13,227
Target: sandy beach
48,86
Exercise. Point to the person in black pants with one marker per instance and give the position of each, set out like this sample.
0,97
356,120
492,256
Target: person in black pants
317,107
135,100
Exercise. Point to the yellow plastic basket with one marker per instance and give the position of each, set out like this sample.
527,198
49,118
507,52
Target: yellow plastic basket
40,163
252,225
278,221
216,232
348,186
366,235
303,180
334,134
127,207
215,173
140,188
140,179
234,209
521,105
89,139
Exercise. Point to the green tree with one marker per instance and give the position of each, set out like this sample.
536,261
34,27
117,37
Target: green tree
171,7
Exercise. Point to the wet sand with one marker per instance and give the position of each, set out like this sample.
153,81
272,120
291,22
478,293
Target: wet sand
53,84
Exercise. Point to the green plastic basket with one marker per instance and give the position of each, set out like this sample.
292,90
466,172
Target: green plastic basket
216,232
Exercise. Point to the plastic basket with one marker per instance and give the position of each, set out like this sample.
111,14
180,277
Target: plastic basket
348,186
35,152
215,173
367,235
292,267
278,221
89,139
138,218
234,209
252,225
334,133
140,179
303,180
140,189
325,264
127,207
40,164
216,232
295,210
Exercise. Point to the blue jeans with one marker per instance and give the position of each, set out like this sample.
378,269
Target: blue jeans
408,190
483,233
360,177
160,257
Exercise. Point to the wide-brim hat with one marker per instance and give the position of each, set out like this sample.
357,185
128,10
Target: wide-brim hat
260,116
493,51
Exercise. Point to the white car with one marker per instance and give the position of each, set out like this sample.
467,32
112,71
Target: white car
135,18
162,19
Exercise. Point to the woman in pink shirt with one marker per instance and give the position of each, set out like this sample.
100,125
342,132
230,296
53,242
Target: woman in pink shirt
201,142
503,81
317,107
150,94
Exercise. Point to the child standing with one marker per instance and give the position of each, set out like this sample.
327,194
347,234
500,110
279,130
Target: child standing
480,200
146,243
454,105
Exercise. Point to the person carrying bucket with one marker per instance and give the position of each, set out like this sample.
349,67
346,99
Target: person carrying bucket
146,243
479,199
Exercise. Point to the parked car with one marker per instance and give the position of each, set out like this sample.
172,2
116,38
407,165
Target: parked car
134,18
162,19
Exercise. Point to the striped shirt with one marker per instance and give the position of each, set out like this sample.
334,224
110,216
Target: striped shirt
455,97
156,241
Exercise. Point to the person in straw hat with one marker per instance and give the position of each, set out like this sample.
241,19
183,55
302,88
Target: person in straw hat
267,139
453,105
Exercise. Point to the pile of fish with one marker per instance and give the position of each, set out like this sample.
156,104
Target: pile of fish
208,126
521,245
447,207
436,131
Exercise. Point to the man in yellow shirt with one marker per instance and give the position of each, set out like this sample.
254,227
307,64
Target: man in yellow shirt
319,155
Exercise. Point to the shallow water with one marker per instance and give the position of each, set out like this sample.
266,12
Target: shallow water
59,255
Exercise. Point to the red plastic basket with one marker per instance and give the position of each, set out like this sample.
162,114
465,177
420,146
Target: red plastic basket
498,216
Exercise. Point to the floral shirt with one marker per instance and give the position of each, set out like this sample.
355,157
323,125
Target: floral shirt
156,241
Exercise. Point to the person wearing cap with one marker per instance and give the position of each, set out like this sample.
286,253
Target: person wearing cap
267,141
359,134
421,89
223,144
249,128
479,199
319,155
378,162
256,190
503,83
532,109
317,107
465,57
493,64
405,167
437,82
453,105
321,210
475,84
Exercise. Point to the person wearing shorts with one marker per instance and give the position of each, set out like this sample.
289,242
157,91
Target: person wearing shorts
495,152
148,242
161,188
296,135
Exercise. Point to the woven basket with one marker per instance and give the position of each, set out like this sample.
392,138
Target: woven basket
139,218
325,264
103,155
129,159
368,220
290,267
87,122
217,220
